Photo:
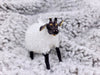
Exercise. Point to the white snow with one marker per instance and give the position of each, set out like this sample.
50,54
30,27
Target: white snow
79,41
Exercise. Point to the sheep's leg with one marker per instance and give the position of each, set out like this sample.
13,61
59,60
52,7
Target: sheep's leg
47,61
58,54
31,55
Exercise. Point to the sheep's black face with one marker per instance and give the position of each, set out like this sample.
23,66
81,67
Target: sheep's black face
52,27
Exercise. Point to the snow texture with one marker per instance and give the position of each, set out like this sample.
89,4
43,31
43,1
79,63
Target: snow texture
79,41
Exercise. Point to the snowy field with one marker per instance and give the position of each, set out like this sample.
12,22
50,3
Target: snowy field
79,40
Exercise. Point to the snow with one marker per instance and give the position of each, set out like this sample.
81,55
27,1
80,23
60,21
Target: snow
79,40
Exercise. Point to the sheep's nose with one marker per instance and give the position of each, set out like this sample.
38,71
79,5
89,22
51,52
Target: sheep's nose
56,32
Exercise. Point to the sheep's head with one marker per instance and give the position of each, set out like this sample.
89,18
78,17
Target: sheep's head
52,26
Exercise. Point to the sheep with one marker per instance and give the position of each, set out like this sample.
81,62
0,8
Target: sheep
41,38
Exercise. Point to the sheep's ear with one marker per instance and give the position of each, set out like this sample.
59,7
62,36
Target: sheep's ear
50,20
60,24
55,20
42,27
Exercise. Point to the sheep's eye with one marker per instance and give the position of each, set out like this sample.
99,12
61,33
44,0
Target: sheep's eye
56,24
51,24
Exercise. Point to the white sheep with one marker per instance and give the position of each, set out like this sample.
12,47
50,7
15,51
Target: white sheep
41,38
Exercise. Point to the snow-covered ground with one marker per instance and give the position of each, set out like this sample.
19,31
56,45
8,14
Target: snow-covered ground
80,37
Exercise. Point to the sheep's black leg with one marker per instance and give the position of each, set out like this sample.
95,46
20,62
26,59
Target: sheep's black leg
31,55
47,61
58,54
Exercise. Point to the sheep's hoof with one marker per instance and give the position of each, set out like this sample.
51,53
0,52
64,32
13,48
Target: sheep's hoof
48,68
31,55
60,60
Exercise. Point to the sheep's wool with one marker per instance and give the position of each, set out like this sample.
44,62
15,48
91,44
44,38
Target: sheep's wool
40,41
